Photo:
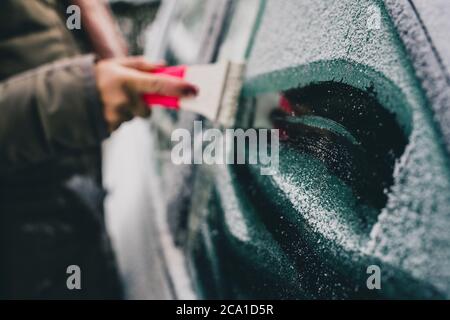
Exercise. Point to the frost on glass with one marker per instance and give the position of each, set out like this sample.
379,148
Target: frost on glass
304,42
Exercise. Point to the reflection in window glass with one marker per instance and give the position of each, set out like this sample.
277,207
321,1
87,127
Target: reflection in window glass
240,30
186,32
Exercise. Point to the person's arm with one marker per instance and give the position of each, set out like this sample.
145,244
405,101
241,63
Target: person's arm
99,24
71,105
48,110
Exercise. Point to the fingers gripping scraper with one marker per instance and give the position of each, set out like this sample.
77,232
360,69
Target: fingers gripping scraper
220,85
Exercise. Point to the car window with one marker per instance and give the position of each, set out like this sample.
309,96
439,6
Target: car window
334,123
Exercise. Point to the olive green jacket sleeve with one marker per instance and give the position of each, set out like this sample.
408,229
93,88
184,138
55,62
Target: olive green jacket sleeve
48,111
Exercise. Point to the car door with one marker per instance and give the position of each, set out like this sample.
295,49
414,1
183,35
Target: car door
363,181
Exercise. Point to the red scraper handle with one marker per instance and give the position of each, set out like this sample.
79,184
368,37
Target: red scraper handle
166,101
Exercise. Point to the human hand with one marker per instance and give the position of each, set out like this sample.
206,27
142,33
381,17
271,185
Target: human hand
122,81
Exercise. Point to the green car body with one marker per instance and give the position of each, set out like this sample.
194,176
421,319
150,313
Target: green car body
363,177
